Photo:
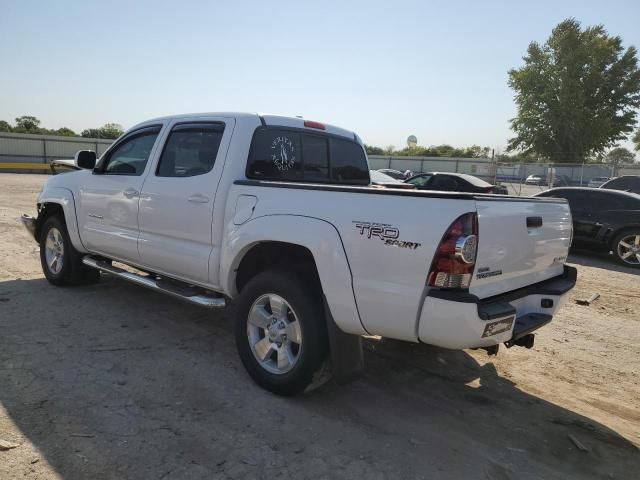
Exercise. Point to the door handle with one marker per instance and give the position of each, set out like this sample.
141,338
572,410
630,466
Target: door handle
131,192
198,198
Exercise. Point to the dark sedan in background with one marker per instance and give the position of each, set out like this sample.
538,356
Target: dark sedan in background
604,221
454,182
626,183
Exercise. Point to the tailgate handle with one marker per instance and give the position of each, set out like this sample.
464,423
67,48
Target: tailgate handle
534,222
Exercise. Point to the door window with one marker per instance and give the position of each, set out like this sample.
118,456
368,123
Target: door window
130,156
420,181
190,150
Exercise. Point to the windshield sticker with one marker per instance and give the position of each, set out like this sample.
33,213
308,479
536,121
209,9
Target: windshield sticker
283,153
388,234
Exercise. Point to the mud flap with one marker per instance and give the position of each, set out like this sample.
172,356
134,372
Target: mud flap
347,357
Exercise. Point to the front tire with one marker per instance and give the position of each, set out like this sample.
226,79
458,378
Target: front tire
280,332
61,262
626,248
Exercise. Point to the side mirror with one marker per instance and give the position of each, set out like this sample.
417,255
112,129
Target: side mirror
85,159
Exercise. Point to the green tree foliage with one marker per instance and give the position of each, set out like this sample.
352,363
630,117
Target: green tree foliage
576,95
111,130
64,131
619,155
108,130
27,124
636,140
373,150
5,126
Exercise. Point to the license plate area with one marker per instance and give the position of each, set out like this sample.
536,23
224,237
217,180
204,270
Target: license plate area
497,327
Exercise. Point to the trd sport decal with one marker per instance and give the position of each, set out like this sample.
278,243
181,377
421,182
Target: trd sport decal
384,232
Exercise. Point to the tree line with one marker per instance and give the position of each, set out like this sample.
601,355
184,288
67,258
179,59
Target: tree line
30,124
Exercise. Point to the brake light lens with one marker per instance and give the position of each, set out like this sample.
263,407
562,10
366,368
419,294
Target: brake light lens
455,258
312,124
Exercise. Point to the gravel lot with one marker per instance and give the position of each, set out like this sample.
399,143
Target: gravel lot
112,381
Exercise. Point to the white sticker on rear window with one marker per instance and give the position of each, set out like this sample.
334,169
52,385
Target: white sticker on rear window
283,153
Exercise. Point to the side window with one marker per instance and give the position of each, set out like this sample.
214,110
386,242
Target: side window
130,156
276,155
420,181
348,163
444,182
606,201
190,150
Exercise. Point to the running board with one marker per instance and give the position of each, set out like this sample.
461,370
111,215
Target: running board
174,288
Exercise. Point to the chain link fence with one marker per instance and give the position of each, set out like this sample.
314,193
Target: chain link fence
519,178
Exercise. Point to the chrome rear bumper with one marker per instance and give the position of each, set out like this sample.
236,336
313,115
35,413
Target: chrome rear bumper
30,224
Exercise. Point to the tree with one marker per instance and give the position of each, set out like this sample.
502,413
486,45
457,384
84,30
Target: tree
373,150
27,124
576,95
111,130
91,133
5,126
619,155
389,149
64,131
108,130
636,140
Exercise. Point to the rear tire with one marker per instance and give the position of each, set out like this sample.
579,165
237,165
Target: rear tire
281,334
61,262
626,248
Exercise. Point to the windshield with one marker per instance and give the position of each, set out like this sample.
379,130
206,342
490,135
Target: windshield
379,177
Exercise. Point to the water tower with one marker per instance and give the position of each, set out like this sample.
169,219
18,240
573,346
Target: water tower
412,141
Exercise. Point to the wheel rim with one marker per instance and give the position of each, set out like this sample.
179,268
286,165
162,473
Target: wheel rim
54,250
274,334
629,249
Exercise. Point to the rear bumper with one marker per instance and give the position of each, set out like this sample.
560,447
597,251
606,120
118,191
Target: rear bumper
30,224
462,320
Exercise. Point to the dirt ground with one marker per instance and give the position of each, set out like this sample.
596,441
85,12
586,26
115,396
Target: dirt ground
113,381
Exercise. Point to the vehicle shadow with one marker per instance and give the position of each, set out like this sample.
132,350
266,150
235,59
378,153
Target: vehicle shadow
599,260
112,381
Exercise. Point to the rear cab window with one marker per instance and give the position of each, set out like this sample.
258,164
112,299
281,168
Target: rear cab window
297,155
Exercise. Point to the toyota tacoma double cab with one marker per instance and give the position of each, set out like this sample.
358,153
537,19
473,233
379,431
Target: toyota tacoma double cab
278,214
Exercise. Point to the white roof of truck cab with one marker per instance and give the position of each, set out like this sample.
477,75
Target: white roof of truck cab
267,119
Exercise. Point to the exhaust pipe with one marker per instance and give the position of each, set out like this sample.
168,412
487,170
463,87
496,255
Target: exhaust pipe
526,341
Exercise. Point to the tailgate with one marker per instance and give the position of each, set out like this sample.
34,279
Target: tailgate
520,242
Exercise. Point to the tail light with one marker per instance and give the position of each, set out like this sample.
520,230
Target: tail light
455,258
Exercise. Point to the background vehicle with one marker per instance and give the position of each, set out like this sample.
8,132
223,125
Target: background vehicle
454,182
380,179
278,214
627,183
535,180
398,175
561,181
604,220
596,182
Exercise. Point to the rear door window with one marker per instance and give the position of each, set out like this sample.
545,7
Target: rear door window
190,150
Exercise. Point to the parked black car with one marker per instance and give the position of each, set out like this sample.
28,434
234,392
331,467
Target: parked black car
627,183
454,182
604,220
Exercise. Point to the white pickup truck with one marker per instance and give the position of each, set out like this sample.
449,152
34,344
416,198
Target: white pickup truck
278,214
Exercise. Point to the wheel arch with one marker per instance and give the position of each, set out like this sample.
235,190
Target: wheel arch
60,201
296,242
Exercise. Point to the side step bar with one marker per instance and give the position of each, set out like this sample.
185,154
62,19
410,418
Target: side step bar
176,289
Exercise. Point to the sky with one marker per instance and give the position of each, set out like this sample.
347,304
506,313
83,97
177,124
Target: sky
389,69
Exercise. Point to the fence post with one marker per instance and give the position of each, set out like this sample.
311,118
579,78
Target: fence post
389,162
457,165
422,166
44,149
581,173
